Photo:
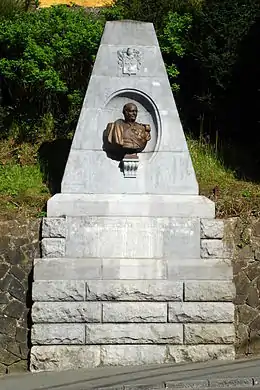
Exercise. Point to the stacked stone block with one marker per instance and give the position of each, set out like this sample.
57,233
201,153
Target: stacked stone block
90,312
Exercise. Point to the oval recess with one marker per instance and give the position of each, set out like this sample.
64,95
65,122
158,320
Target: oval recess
147,113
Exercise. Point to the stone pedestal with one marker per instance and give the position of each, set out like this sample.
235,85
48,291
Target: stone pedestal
134,269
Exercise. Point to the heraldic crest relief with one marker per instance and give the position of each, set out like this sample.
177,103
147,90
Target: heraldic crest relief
129,60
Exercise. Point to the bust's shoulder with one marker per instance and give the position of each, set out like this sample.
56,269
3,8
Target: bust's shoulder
110,125
114,125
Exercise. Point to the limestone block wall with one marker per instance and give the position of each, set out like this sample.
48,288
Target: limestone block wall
90,312
19,245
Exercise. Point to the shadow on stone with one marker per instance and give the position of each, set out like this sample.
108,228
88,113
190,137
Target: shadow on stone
53,157
118,155
29,303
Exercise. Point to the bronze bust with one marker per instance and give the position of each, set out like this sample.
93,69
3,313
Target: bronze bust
126,136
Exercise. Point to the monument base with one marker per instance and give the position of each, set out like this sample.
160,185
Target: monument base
129,280
133,205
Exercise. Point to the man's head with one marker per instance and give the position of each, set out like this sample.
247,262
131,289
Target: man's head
130,112
130,51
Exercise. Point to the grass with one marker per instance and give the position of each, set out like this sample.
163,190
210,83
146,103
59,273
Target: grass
233,197
23,191
21,180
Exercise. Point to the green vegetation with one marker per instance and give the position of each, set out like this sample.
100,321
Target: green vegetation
47,57
210,49
21,180
11,7
233,196
22,189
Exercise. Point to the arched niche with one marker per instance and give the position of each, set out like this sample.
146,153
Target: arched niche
147,113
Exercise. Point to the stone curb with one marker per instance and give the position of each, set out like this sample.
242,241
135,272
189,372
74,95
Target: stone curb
213,384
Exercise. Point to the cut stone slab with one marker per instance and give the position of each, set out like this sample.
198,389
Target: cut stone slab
74,269
212,228
53,247
209,333
201,312
133,237
134,334
54,227
66,269
140,269
214,248
58,290
125,355
200,269
200,353
45,334
64,357
139,290
132,205
209,291
134,312
51,312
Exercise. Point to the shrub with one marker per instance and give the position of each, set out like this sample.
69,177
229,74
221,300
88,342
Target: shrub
9,8
47,56
150,10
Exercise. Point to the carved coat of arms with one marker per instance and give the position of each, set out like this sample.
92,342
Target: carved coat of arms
129,60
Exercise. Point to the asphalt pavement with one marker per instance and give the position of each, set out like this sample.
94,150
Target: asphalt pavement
212,375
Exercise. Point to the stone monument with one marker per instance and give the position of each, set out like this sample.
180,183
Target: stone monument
134,269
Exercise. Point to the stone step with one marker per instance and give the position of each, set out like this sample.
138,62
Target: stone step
141,331
133,290
64,268
136,312
130,205
65,357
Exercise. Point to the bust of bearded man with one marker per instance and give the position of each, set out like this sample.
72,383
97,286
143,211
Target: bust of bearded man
126,136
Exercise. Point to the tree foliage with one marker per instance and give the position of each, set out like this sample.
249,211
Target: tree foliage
151,11
172,42
47,56
8,8
214,54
